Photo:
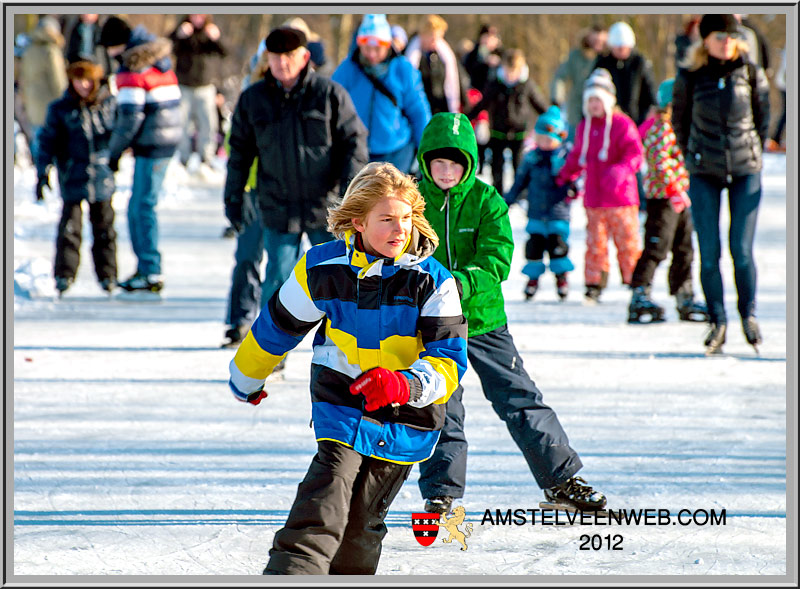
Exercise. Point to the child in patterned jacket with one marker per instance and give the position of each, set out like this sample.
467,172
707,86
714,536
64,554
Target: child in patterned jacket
390,350
668,227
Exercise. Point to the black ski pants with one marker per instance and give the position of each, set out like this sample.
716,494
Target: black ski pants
104,240
335,526
518,402
666,231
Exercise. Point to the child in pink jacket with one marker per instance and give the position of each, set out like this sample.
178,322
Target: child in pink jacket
609,149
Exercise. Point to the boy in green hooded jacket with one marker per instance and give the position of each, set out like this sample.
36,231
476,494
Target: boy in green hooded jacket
476,245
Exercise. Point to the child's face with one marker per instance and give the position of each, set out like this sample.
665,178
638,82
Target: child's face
546,142
386,228
595,107
446,173
83,86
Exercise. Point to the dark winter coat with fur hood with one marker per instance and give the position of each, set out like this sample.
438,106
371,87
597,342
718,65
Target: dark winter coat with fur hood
75,136
148,115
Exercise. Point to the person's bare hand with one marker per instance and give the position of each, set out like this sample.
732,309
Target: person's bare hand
185,30
212,31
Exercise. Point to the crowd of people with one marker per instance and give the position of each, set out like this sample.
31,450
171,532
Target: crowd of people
403,279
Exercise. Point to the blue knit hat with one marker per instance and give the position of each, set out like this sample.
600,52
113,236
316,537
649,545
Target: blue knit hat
374,30
665,93
550,123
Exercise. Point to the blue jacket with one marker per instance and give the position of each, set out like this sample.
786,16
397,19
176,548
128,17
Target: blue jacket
537,174
149,116
75,135
402,314
390,126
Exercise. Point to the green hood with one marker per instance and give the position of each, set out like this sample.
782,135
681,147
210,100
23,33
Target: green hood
447,129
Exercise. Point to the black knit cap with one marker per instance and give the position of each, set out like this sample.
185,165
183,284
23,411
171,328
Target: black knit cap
285,39
711,23
446,153
115,31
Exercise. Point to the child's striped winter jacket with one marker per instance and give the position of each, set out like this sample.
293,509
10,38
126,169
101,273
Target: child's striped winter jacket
666,174
401,314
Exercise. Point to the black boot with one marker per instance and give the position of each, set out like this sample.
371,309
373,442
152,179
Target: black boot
751,331
643,307
577,494
531,288
592,294
439,504
688,308
715,338
562,286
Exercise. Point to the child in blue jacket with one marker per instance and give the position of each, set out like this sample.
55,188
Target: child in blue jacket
548,203
390,349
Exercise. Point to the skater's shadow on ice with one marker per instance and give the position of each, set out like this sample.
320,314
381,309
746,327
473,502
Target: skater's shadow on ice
650,355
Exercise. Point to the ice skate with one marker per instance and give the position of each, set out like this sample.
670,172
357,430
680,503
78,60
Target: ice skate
752,332
108,285
689,309
62,284
592,295
234,336
573,495
141,287
439,505
643,309
531,288
715,339
562,286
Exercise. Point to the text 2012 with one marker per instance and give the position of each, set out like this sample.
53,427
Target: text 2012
598,542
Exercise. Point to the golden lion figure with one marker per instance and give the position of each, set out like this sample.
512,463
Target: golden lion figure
451,525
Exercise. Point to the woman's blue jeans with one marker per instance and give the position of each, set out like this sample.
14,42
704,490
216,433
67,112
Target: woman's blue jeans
744,196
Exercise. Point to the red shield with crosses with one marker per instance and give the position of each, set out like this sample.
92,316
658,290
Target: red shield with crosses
425,526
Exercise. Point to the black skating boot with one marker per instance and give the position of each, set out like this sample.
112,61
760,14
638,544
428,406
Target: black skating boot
688,308
715,338
62,284
577,494
439,505
642,308
143,283
235,335
531,288
751,331
592,294
562,286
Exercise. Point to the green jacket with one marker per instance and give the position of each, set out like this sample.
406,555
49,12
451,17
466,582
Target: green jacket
471,220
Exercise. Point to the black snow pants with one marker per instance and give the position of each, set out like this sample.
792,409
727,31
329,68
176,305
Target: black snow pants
104,240
518,402
666,231
335,526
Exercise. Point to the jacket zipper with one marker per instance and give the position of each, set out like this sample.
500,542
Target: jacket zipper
446,208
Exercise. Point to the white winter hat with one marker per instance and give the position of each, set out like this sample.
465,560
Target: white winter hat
600,85
620,34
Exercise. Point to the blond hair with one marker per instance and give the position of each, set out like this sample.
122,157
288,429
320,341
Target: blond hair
697,54
376,181
433,23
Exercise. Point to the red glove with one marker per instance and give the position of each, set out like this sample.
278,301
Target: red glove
679,202
381,387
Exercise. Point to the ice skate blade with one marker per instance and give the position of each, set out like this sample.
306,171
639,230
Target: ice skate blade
573,509
714,351
139,296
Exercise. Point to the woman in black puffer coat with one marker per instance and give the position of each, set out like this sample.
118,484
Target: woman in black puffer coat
721,117
75,137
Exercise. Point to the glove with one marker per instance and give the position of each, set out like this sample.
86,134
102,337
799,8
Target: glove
42,182
572,192
679,202
234,214
249,214
381,387
253,398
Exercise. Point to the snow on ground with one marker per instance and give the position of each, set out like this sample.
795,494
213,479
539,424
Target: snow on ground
131,456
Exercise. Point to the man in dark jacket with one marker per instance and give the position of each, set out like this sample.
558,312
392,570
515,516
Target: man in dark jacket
631,72
309,141
148,121
195,44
